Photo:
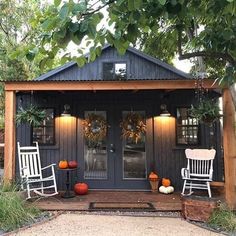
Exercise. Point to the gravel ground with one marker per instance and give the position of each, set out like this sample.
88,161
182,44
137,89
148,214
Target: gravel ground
115,225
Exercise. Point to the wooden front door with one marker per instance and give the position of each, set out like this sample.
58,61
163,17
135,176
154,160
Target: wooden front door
115,163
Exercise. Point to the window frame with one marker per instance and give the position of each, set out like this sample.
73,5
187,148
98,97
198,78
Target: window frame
176,130
54,129
115,62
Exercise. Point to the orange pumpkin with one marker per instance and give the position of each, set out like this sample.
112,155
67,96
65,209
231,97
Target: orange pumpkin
81,188
152,176
166,182
63,164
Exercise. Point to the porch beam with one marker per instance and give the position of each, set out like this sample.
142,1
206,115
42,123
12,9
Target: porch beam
10,137
229,136
105,85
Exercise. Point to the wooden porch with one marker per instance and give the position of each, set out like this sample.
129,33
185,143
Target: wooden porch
161,202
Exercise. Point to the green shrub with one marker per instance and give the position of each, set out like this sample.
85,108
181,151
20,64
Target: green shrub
14,211
223,219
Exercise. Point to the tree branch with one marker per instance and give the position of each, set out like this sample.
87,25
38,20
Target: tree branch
222,55
6,33
96,10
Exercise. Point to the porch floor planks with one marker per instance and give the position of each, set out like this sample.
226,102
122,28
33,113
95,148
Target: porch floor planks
160,201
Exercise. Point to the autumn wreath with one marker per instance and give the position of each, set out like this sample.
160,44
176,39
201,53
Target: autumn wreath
95,128
133,126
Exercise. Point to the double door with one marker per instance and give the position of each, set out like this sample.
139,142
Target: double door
116,162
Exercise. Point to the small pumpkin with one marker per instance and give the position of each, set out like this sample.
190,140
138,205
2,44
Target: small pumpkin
166,190
153,177
72,164
166,182
63,164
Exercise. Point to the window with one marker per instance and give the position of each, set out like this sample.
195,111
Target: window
45,134
114,71
187,128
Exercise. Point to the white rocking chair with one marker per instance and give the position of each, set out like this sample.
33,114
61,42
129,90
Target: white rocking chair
199,171
31,172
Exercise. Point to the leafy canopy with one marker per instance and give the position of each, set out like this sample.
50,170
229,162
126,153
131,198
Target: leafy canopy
190,27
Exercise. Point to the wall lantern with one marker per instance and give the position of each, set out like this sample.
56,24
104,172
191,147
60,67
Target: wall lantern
66,112
164,111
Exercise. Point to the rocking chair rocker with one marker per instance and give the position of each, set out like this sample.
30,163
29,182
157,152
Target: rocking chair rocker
199,171
31,173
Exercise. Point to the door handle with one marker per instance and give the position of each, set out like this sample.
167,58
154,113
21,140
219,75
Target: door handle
112,148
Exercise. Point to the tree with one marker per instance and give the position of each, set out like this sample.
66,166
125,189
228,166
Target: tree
17,35
131,20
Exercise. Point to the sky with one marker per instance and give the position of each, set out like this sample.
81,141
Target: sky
184,65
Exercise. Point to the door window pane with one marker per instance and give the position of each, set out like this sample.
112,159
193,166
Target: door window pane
134,155
95,153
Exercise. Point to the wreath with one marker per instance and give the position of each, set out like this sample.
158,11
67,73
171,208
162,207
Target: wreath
95,128
133,127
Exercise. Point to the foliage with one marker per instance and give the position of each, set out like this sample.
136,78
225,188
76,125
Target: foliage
207,111
17,36
14,210
133,127
32,115
223,219
191,28
95,129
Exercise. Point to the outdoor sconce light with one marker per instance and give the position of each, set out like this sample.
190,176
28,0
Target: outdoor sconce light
164,112
66,112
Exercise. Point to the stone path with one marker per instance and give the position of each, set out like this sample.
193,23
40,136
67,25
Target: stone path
115,225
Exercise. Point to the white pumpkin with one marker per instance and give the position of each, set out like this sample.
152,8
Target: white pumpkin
166,190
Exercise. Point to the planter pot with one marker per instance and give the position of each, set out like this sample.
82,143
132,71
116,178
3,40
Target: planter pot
198,208
154,185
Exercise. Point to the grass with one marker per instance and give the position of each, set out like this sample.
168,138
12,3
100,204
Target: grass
14,212
223,219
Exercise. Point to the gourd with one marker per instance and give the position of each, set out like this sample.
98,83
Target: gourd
166,182
72,164
166,190
63,164
152,176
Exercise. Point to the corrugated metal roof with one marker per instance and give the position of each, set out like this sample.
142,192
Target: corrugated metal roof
69,80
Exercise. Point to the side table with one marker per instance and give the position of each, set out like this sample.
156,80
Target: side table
68,193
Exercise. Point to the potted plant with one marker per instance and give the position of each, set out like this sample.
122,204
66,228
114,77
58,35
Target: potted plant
32,115
207,111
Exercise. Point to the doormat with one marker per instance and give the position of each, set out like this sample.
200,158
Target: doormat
121,206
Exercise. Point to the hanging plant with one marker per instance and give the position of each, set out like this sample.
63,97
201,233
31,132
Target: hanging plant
32,115
95,128
133,127
207,111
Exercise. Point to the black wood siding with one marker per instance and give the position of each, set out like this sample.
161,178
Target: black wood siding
137,68
169,158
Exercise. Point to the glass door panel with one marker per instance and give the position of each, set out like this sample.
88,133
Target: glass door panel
134,155
95,153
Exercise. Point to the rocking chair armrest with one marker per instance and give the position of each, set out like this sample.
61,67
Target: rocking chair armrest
46,167
185,173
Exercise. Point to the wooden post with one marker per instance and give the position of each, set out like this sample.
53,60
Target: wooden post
10,137
229,148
